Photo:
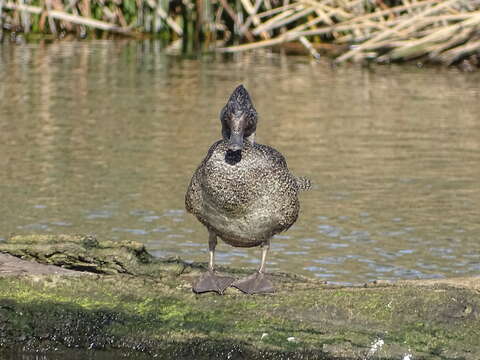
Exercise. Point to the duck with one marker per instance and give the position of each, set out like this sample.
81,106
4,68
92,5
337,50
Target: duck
243,193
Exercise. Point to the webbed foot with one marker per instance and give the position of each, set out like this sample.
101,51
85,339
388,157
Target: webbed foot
254,284
211,282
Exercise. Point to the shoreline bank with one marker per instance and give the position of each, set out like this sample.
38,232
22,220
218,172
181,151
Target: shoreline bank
131,303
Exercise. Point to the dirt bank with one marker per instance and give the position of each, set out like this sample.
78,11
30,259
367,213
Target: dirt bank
133,304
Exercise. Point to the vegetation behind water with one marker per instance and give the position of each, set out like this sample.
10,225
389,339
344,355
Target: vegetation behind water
382,31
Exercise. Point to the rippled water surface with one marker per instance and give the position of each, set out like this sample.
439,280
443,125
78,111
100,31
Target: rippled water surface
103,137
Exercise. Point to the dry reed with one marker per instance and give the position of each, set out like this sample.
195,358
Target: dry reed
446,31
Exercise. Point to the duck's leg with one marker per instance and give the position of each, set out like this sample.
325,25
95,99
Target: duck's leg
257,283
209,281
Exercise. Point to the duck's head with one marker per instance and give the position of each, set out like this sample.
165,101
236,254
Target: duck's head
239,119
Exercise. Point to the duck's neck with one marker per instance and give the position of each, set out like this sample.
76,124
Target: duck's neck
251,138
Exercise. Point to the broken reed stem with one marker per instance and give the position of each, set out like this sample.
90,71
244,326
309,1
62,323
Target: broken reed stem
269,24
308,45
289,19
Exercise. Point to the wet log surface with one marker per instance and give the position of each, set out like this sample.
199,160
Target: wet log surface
125,302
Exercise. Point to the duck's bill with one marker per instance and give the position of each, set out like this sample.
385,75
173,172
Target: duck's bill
235,142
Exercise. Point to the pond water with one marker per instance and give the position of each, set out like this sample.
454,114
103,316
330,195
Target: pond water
102,137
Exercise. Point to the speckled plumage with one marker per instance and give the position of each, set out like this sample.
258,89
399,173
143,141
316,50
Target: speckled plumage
247,202
244,197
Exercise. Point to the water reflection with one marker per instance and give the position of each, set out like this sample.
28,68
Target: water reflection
97,137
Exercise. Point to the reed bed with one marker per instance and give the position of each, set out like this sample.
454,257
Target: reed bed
60,17
446,31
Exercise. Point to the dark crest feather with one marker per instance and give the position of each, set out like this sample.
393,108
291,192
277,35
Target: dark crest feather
239,103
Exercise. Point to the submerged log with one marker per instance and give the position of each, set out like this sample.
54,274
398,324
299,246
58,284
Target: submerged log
128,303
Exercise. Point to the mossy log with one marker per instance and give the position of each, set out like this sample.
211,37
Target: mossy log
125,302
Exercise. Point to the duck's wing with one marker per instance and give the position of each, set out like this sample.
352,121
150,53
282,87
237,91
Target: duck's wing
273,155
193,197
303,183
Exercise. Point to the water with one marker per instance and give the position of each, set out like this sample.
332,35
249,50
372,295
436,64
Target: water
102,137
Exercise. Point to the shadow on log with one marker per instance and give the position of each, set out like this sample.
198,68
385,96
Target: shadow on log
127,303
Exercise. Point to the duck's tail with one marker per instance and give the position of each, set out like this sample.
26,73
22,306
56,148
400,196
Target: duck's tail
303,183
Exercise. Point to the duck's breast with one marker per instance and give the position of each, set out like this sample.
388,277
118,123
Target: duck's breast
248,201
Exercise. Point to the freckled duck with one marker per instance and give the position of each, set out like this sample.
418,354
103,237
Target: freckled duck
243,193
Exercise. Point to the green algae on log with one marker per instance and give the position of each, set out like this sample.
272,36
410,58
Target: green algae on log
135,305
